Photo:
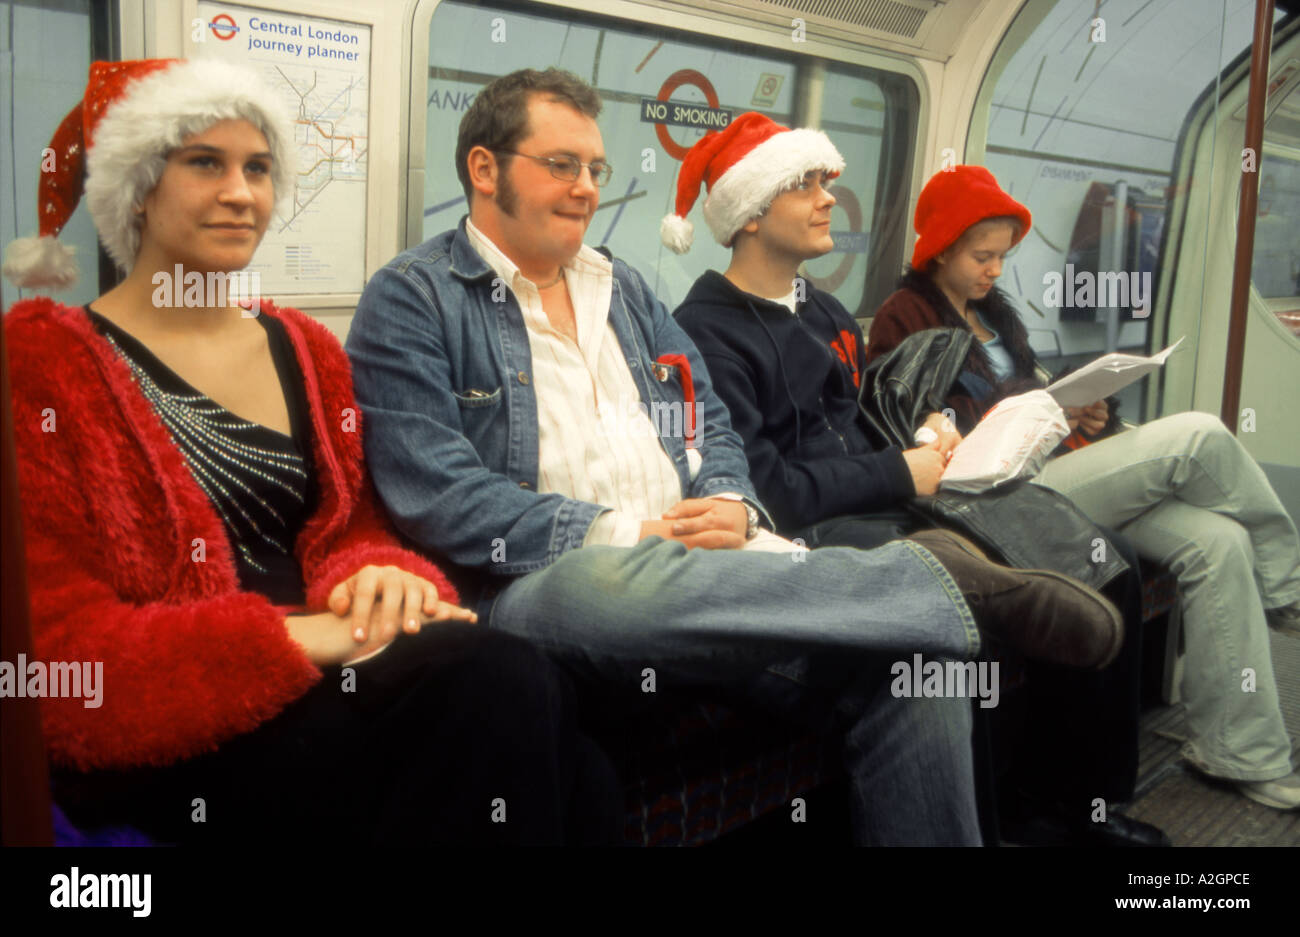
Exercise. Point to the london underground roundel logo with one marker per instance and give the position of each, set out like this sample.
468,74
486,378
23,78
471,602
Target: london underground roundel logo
684,76
223,27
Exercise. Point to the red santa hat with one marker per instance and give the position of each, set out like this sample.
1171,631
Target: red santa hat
113,145
745,167
952,201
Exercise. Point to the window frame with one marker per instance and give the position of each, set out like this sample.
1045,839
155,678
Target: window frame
627,15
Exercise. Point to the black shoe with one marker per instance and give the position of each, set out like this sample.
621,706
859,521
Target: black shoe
1119,830
1041,614
1051,827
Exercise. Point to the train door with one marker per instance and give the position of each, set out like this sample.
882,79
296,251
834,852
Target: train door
1268,422
1121,128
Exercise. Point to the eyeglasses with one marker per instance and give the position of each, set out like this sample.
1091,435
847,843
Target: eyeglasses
569,168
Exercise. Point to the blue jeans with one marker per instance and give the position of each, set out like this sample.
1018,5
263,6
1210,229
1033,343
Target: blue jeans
790,631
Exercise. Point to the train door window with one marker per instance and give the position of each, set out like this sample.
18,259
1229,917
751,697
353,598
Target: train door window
1275,266
662,90
47,54
1079,118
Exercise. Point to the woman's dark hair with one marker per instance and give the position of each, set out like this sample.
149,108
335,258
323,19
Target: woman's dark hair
997,310
498,118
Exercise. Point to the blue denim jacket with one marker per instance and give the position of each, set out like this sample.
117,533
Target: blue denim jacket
443,376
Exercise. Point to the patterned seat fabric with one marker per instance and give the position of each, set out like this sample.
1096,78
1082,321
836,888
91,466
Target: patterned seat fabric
696,772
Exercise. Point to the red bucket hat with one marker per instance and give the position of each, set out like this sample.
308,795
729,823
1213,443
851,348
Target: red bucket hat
952,201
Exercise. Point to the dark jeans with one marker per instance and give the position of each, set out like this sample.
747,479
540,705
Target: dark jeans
457,735
1078,735
1081,727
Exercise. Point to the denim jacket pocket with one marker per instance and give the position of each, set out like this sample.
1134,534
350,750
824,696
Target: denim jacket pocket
482,414
474,398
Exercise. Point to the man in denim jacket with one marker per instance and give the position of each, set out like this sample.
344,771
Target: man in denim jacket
532,413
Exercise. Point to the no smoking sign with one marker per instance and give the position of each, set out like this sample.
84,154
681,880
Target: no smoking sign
767,89
662,112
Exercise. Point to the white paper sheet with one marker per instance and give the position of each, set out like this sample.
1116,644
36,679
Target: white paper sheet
1103,377
1012,441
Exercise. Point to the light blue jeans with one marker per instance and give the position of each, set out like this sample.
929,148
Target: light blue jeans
1189,496
788,631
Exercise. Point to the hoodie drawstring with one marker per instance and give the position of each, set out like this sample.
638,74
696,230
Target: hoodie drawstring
780,362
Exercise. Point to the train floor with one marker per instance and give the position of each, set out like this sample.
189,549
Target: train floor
1195,810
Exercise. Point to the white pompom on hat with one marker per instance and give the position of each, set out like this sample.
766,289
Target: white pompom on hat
113,146
745,167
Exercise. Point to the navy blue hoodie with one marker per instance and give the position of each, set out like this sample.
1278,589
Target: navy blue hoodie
790,383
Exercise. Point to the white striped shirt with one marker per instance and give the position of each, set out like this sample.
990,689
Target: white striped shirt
596,442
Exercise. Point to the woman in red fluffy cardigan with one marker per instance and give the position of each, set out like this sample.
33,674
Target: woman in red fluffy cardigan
198,518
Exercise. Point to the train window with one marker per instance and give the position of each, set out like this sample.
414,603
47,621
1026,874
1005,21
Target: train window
1275,267
1080,118
871,120
47,56
663,90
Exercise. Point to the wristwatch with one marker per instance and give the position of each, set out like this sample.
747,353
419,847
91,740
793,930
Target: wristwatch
751,520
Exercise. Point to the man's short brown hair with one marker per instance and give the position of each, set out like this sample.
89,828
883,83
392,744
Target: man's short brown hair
498,118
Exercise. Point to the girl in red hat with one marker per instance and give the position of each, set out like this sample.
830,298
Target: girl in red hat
1182,489
263,657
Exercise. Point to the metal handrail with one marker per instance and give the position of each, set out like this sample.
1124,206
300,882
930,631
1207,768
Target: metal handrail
1241,267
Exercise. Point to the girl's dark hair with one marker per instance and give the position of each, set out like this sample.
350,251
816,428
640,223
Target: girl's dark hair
997,310
498,118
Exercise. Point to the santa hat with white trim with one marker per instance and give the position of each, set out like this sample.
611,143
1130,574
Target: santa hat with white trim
113,145
745,167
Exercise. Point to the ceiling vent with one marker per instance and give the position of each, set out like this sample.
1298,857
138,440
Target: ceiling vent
897,18
928,28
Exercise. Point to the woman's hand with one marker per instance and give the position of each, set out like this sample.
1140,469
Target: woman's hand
947,434
327,638
384,599
1090,419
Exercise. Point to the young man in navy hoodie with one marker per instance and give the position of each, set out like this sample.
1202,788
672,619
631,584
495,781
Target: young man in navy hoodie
787,360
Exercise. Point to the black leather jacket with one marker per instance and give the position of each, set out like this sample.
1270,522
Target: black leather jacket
1028,525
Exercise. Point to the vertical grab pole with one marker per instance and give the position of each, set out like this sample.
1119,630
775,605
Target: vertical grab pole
1119,235
1246,210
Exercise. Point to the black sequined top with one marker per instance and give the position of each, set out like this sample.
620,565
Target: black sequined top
260,481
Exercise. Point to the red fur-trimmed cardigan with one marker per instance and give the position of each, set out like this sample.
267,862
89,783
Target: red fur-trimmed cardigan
110,518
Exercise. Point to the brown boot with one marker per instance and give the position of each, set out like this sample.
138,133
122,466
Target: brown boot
1041,614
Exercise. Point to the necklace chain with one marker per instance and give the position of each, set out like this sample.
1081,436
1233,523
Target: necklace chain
558,277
